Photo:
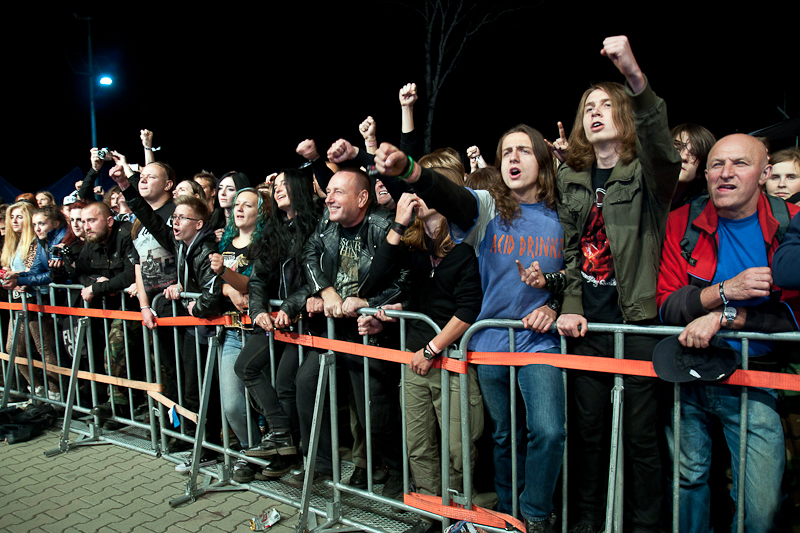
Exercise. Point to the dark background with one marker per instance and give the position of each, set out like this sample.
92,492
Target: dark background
237,87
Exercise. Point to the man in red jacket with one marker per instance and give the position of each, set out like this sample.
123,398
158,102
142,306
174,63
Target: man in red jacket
728,285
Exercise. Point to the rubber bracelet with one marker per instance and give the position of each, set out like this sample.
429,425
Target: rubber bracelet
433,347
409,169
415,175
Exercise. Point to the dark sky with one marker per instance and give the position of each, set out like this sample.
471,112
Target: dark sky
236,88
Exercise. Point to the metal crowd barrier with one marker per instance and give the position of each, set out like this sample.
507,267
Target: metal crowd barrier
334,500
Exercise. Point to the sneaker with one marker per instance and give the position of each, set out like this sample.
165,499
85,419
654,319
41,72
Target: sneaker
359,478
243,472
299,478
580,527
111,425
186,466
142,414
102,411
380,474
393,488
175,445
54,396
274,443
279,466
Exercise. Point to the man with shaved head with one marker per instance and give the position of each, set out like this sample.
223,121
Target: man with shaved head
725,282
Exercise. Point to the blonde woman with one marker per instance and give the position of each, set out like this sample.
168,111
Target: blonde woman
25,263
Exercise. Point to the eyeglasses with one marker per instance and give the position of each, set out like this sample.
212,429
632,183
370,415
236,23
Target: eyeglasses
182,218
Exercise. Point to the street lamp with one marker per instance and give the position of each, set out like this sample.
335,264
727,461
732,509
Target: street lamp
92,67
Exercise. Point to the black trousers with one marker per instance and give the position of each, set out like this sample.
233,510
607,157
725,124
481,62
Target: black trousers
589,427
278,403
383,403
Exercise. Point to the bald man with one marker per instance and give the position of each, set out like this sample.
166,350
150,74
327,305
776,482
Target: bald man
728,286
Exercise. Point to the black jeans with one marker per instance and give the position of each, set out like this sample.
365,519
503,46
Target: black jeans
278,403
590,428
383,402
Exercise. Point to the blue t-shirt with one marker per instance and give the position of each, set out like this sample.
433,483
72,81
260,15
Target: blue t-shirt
741,246
536,235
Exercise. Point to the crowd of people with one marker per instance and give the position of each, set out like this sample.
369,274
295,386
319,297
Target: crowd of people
591,228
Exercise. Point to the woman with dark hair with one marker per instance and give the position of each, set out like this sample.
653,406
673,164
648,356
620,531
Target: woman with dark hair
277,274
229,184
233,264
45,198
693,142
190,187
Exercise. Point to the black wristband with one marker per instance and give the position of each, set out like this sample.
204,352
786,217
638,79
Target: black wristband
399,228
554,304
555,282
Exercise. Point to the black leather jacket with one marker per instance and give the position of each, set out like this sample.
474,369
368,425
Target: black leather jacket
321,263
288,285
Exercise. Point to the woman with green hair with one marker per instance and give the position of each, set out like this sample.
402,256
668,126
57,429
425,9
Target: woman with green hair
245,224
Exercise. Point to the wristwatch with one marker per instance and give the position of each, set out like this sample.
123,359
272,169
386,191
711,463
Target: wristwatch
728,312
428,354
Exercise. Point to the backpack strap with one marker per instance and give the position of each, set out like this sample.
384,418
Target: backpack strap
780,210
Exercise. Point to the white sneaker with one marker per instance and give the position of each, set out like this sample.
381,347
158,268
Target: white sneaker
54,396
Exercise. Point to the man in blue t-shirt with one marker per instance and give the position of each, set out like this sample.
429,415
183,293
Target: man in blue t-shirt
729,286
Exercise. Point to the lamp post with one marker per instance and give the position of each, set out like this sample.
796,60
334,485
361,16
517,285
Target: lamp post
105,80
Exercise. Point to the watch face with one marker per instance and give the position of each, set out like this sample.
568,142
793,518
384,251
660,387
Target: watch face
427,354
729,313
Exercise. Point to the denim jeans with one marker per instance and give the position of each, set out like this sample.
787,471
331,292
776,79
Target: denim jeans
542,389
700,406
232,391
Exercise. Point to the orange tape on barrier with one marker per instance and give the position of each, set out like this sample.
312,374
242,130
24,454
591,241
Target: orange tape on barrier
74,311
375,352
749,378
476,515
100,378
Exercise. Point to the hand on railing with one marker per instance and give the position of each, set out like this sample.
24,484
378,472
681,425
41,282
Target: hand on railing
572,325
540,319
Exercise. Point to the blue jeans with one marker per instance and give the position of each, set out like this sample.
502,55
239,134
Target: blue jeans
538,463
700,405
232,391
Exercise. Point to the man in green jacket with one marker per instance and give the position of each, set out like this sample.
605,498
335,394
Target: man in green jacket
616,187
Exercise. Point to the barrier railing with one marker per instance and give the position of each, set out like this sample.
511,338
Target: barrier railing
451,505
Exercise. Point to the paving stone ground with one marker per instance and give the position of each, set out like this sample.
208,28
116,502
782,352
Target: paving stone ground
112,489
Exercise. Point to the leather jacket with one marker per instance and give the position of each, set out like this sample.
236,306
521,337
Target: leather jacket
287,285
321,262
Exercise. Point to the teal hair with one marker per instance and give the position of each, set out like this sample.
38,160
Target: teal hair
231,231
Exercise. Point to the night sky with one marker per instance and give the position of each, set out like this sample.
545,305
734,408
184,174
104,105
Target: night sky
238,88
